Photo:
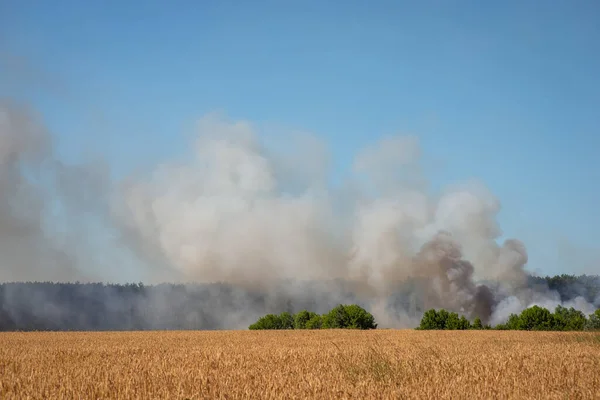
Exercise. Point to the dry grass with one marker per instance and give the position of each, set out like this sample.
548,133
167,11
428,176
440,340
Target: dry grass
300,364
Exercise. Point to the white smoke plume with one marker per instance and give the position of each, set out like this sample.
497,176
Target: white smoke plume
242,214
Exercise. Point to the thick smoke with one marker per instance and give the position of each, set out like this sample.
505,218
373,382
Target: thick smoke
264,223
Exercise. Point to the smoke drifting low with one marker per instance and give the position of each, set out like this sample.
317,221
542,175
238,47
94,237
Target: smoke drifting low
266,224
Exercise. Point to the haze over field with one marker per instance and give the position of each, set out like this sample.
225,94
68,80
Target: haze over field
281,217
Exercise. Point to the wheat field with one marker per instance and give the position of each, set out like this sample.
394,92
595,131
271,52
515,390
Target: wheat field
299,364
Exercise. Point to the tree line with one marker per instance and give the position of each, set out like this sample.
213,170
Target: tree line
569,286
340,317
534,318
98,306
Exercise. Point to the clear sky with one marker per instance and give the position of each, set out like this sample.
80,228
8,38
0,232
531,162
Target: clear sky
506,92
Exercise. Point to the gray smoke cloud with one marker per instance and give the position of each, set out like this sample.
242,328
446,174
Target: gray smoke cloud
25,203
240,212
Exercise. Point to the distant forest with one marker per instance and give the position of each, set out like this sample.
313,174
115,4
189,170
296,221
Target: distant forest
570,286
95,306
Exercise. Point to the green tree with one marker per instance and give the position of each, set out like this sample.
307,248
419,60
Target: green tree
315,322
464,323
569,319
477,323
536,318
593,323
269,321
348,317
301,318
443,316
433,319
359,318
513,323
452,322
336,318
287,320
429,320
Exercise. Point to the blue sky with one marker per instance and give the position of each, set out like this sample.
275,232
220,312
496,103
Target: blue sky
506,92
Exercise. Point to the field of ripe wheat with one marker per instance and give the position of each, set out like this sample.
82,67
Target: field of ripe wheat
300,364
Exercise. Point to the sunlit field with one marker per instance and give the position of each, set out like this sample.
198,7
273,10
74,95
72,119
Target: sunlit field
300,364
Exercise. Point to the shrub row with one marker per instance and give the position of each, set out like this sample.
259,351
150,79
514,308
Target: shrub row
444,320
340,317
541,319
534,318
